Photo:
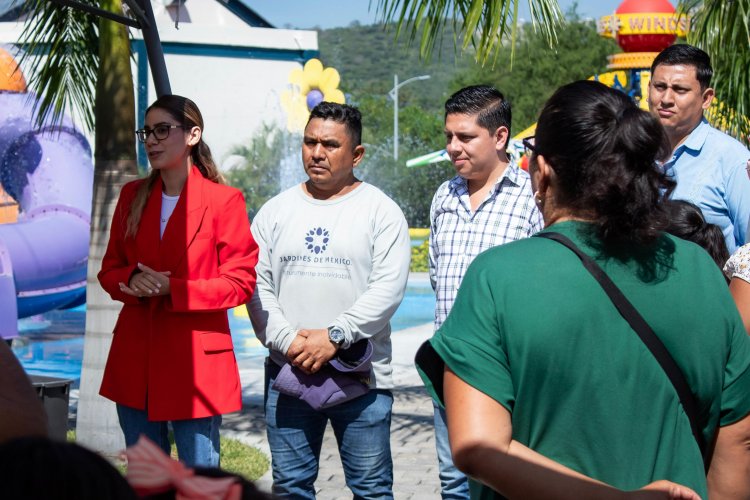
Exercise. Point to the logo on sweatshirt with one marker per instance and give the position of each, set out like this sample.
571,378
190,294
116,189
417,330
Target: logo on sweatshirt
316,240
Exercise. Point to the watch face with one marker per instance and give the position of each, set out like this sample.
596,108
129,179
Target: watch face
336,335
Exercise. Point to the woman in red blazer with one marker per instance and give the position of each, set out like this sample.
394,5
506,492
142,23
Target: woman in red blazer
180,254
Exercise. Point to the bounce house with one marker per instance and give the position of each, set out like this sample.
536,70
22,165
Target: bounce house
46,180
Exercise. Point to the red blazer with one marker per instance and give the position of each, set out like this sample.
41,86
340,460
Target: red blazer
173,354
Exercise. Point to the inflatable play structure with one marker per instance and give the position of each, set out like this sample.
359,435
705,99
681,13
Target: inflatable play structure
642,28
46,175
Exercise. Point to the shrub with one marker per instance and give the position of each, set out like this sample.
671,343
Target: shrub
419,258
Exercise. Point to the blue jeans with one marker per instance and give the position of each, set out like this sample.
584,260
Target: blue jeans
197,439
362,428
453,483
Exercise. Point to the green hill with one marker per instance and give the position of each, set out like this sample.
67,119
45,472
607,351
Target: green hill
367,57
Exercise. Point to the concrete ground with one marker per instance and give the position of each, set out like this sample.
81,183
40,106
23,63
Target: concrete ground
415,468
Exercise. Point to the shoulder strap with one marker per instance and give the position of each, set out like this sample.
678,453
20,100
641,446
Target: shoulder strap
644,331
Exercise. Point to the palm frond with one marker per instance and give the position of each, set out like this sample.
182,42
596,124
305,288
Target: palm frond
61,47
483,24
722,29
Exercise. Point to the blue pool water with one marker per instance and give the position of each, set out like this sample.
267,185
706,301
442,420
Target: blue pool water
51,344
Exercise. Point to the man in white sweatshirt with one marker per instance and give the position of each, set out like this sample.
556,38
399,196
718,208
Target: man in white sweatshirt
333,265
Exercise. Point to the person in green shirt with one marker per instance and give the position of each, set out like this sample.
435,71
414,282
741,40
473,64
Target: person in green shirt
548,390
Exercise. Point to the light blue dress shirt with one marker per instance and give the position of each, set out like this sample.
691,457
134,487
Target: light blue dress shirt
709,167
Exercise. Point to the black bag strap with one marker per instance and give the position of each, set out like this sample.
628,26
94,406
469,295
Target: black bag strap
646,334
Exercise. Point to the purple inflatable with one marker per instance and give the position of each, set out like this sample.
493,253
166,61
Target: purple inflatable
49,172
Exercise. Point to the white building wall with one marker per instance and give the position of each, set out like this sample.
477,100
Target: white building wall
225,66
234,72
235,96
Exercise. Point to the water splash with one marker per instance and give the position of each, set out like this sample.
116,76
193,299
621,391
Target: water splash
291,171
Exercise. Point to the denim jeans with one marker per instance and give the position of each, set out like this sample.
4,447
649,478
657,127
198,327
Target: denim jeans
197,439
362,428
453,483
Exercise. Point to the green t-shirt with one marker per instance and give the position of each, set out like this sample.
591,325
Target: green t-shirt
532,329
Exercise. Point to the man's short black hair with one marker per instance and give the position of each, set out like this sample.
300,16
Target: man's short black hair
687,55
341,113
484,100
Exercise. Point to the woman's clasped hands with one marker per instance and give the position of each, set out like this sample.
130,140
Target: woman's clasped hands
147,283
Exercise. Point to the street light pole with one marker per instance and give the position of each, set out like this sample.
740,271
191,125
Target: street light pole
394,95
395,117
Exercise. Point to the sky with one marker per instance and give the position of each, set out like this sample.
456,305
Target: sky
339,13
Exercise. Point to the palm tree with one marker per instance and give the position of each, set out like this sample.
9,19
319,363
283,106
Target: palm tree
481,23
719,27
722,29
88,56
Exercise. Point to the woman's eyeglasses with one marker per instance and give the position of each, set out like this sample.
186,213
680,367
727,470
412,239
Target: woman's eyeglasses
529,146
160,132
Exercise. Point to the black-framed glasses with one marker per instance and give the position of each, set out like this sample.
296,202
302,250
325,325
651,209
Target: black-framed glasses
529,145
160,132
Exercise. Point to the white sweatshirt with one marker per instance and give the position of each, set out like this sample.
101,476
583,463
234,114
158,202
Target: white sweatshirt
341,262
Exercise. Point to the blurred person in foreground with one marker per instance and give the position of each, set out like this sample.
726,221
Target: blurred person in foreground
40,468
21,410
548,390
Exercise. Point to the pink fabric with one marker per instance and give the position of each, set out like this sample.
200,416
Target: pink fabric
151,471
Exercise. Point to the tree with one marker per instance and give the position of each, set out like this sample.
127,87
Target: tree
723,30
66,77
367,58
481,23
259,177
579,53
422,132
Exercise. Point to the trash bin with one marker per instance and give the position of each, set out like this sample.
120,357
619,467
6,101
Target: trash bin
55,395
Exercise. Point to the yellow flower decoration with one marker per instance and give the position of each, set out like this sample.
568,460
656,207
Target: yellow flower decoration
309,86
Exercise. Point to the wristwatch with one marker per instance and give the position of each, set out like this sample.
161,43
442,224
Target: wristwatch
336,335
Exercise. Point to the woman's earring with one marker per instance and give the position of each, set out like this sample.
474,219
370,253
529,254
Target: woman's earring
538,199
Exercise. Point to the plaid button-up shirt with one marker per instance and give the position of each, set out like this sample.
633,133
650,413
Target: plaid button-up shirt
458,235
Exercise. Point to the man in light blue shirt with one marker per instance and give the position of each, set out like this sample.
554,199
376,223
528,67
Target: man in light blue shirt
708,165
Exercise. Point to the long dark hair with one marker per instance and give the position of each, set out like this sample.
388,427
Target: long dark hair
603,150
687,222
184,111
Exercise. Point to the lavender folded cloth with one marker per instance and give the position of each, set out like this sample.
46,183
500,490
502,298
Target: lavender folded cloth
344,378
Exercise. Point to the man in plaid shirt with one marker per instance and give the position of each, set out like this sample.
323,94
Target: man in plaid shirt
488,203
